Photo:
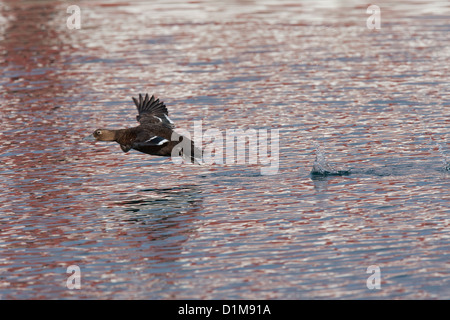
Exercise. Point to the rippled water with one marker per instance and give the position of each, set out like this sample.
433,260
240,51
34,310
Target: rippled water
375,102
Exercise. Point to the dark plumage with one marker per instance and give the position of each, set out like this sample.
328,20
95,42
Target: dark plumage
154,134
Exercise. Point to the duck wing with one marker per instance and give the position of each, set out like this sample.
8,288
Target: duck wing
151,142
152,111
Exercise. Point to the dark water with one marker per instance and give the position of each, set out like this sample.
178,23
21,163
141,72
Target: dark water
373,101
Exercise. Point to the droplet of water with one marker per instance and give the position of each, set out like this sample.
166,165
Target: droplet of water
444,158
322,166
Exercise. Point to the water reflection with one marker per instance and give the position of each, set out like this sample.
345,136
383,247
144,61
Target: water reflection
141,227
31,59
162,203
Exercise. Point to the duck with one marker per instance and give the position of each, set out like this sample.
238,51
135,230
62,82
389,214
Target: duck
154,135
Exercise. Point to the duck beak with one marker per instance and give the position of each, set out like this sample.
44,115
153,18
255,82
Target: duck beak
89,138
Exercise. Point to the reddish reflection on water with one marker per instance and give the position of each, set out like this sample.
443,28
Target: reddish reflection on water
143,227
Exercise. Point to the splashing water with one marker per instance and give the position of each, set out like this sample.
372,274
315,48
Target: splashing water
322,167
444,158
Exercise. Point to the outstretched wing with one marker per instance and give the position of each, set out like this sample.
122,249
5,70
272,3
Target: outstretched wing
152,142
152,110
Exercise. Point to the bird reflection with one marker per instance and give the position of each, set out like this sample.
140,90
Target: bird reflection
153,206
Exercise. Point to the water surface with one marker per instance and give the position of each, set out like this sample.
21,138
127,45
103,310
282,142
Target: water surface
140,227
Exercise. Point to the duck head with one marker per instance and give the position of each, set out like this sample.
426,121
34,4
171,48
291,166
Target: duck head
104,135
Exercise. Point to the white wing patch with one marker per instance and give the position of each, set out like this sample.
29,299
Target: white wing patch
170,121
158,140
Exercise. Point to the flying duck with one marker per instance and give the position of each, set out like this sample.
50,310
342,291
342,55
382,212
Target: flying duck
154,135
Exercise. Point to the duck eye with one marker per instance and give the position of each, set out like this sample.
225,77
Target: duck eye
99,132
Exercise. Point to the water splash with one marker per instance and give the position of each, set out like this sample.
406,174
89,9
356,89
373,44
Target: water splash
322,167
445,159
